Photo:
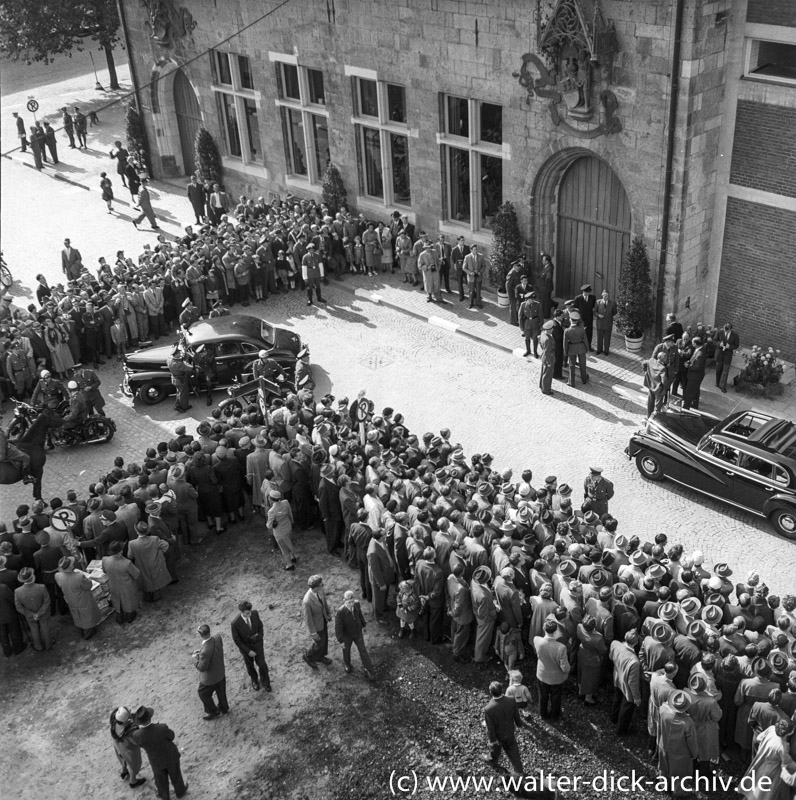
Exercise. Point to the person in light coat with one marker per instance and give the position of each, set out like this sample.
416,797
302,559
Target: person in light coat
460,608
677,744
149,554
33,602
123,578
76,587
485,612
381,574
316,614
280,521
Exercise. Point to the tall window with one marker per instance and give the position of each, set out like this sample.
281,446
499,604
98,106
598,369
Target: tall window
472,160
305,120
382,141
236,101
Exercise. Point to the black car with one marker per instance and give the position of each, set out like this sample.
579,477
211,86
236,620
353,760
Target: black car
747,459
234,341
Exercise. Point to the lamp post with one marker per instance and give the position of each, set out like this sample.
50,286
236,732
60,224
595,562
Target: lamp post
97,84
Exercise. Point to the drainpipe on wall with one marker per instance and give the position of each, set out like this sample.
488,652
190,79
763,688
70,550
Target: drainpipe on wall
134,79
674,91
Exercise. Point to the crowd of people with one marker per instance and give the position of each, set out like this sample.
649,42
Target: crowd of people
535,573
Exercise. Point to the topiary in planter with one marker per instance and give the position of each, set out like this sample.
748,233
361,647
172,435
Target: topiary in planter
207,157
507,245
634,303
334,194
136,142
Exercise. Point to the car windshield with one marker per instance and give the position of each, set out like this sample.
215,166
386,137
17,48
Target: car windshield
267,333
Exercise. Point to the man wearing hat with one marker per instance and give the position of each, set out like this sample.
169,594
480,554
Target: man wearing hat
189,314
548,357
33,602
427,263
316,614
430,583
149,554
604,312
181,373
484,610
157,741
598,489
312,272
530,322
330,509
76,587
575,348
677,744
627,682
123,578
585,303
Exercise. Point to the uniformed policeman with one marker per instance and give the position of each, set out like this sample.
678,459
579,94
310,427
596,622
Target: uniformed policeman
89,383
48,393
78,407
548,345
575,348
265,367
203,363
530,320
180,377
312,271
189,315
599,490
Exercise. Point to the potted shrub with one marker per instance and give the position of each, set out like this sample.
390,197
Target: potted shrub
333,188
634,303
507,247
207,157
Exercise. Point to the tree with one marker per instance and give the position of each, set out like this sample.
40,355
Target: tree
634,303
507,244
136,138
334,193
37,30
207,157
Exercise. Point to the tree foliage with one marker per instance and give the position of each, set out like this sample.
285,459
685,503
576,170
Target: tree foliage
37,30
507,244
634,303
334,193
207,157
136,139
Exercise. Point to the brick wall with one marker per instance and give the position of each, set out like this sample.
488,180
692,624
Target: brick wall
772,12
763,155
757,290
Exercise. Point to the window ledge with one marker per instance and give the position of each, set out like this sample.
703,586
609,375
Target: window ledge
375,206
770,81
482,237
245,167
296,182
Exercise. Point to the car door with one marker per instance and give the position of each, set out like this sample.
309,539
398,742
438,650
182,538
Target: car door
755,481
250,354
229,362
712,470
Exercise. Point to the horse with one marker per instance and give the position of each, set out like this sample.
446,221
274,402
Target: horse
32,442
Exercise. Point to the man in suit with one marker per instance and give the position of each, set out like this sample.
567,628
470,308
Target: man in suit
598,490
23,139
217,204
627,681
316,614
330,509
430,582
484,611
502,716
727,342
552,670
443,250
513,279
51,142
196,196
69,126
604,312
428,265
655,379
548,357
585,303
209,661
247,633
349,624
460,608
458,254
474,267
380,574
145,204
157,741
575,348
695,373
71,261
81,126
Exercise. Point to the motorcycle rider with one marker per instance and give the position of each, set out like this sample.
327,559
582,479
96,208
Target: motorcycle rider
89,382
78,408
48,393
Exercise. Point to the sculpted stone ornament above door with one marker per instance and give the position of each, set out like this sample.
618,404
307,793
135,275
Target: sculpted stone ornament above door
168,22
574,71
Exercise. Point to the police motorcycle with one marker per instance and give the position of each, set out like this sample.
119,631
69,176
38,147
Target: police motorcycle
95,430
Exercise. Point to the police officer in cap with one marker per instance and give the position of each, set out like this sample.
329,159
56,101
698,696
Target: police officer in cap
599,490
557,333
189,315
78,408
180,377
585,303
548,356
265,367
575,348
48,393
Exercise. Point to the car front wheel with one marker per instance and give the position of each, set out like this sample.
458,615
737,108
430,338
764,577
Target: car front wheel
152,393
649,465
783,520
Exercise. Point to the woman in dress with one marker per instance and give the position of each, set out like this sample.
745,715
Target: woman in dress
591,658
280,521
56,337
203,477
122,726
371,242
386,248
107,190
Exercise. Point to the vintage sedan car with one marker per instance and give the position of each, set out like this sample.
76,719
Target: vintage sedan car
747,460
234,342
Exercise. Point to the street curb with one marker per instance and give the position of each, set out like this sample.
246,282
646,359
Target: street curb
59,177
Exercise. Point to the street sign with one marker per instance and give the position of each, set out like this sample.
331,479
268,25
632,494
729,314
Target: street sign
63,519
33,106
362,409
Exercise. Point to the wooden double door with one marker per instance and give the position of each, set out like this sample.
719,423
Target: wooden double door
189,119
593,228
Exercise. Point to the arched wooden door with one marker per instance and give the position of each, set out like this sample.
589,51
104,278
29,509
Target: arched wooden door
593,228
189,118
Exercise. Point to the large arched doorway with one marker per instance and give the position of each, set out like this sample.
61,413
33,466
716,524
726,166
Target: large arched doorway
593,228
189,118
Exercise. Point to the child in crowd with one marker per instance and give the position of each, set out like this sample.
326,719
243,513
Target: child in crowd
408,607
508,645
359,256
518,690
348,249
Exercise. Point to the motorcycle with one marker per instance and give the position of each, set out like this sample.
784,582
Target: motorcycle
95,430
25,414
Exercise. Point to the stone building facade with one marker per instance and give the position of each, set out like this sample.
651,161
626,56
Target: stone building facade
568,108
